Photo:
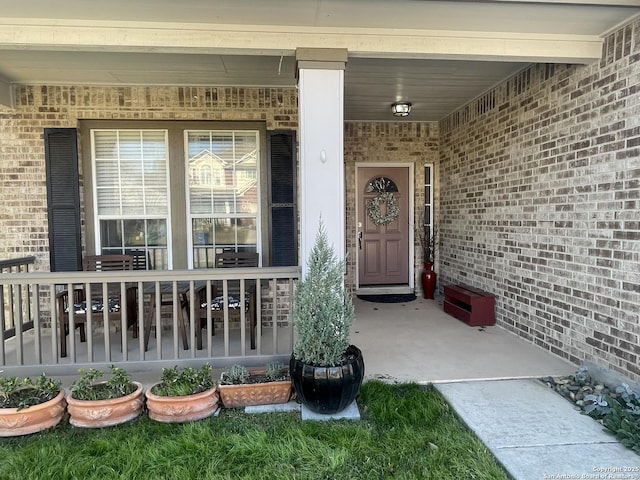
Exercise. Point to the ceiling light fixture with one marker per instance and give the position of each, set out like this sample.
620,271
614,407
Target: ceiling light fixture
400,109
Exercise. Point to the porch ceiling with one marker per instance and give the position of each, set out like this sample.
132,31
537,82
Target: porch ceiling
438,55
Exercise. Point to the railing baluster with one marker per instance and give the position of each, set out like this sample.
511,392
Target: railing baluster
124,321
258,317
175,303
4,327
192,319
158,314
243,320
140,317
209,321
37,345
89,321
105,321
274,325
71,351
53,318
19,306
225,307
12,316
17,314
27,302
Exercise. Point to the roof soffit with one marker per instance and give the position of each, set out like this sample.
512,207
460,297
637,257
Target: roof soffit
283,40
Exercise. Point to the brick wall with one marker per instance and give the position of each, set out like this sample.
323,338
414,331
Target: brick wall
23,218
540,182
401,142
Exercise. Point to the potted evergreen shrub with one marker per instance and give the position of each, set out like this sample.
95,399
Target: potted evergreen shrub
28,406
183,395
242,387
326,370
96,404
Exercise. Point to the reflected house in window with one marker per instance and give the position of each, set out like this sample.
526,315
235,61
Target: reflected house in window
225,178
223,192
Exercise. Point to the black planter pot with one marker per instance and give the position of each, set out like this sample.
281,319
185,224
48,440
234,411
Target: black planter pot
328,389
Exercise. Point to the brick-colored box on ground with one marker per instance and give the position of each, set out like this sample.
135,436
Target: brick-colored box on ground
470,305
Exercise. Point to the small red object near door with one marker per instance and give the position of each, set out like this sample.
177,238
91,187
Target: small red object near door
429,279
471,305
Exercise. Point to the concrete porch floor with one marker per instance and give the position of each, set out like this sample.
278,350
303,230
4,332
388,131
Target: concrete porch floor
418,341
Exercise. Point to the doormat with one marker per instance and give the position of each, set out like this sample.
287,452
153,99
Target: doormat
388,298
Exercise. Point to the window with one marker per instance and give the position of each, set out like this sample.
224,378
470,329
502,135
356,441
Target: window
381,185
428,200
175,193
131,194
224,214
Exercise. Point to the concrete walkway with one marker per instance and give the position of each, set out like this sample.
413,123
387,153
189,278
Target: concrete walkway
536,434
489,377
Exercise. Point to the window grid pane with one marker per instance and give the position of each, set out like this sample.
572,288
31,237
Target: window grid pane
223,192
131,192
428,200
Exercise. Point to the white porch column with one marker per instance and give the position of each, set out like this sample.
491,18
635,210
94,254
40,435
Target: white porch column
321,120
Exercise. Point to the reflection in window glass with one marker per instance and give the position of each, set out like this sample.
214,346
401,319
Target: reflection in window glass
111,233
202,231
223,192
139,237
134,232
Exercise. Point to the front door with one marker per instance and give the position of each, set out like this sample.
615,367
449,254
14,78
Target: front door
383,225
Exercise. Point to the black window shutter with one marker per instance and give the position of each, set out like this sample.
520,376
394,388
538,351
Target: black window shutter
281,146
63,199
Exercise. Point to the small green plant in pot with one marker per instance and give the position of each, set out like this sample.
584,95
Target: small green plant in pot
183,395
326,370
236,375
95,404
276,372
28,406
23,393
88,387
242,387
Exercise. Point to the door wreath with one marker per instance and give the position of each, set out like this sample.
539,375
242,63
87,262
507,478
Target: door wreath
374,212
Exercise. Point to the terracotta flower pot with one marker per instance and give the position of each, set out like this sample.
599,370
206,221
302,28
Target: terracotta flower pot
248,394
14,422
105,413
187,408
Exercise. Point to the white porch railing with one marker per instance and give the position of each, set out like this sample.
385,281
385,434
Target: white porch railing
164,308
15,295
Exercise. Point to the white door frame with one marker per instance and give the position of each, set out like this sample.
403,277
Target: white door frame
358,188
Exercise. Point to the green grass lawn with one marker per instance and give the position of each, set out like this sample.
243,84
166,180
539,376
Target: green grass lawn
407,432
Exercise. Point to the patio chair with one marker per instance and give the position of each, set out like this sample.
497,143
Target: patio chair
97,263
228,260
141,259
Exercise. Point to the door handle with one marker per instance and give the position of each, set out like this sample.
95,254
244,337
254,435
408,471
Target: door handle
360,240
